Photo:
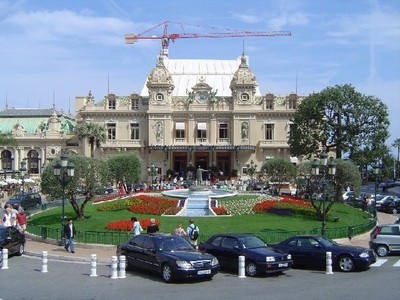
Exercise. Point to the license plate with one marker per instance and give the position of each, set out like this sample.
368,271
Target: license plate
282,265
203,272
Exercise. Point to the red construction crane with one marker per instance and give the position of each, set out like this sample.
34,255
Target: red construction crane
167,37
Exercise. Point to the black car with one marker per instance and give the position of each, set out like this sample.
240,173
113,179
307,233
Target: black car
26,200
259,259
12,239
310,251
390,207
169,255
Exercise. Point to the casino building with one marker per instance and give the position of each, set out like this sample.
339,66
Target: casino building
195,113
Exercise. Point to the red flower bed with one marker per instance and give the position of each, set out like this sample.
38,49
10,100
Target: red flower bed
155,205
220,211
106,198
126,225
287,205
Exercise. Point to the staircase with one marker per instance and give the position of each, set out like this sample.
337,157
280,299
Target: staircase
198,204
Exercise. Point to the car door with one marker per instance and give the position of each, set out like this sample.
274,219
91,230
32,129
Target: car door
11,240
133,251
149,254
229,252
309,252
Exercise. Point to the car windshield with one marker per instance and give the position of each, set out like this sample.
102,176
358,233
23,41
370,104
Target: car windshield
325,241
173,244
250,242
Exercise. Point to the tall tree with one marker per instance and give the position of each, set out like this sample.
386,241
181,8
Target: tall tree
90,174
94,133
339,119
279,171
396,144
125,168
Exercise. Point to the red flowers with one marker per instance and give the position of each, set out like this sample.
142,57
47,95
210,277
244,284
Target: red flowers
126,225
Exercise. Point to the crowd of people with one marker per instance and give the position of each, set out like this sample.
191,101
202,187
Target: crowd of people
191,232
13,216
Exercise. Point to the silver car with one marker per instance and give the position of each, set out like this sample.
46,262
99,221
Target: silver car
385,239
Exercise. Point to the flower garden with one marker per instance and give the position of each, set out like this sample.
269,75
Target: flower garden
160,205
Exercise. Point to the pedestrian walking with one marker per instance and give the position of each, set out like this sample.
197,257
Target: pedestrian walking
69,234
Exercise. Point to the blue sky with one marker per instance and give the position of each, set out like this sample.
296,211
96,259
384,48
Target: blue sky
53,50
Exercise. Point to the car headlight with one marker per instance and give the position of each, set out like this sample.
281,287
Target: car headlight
184,264
289,256
364,255
214,262
270,259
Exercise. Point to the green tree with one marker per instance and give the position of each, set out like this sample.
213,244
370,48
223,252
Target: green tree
279,171
339,119
90,174
6,139
125,167
396,144
347,175
94,133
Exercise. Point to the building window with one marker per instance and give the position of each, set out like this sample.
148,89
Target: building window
269,131
159,97
292,102
202,130
223,131
111,131
180,130
269,104
6,160
292,127
134,104
244,97
111,103
135,131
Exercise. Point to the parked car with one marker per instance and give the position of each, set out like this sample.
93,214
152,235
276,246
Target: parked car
390,207
310,251
169,255
259,259
26,200
385,239
12,239
348,194
384,201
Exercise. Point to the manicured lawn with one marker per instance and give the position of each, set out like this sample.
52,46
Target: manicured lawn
260,224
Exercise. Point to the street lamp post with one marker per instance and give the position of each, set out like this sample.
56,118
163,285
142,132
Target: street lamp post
152,171
376,173
325,177
64,172
22,173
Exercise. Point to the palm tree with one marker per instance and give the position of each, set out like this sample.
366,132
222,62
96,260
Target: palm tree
396,144
95,133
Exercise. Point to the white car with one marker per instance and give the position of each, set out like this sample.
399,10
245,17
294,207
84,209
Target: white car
348,194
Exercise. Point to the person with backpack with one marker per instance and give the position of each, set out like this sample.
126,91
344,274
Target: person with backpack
193,232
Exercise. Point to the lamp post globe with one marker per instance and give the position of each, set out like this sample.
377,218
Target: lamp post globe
63,170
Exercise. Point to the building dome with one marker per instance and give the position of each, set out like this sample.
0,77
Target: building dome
160,74
243,75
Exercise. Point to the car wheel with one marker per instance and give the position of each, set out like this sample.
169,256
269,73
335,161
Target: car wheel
167,273
346,263
251,269
21,250
382,250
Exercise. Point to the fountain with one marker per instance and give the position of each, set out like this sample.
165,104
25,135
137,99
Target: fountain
198,199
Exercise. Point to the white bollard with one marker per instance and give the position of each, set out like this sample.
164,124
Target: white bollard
44,262
114,267
4,253
93,265
328,263
122,266
242,264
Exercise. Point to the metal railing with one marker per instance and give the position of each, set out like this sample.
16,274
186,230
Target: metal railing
117,237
